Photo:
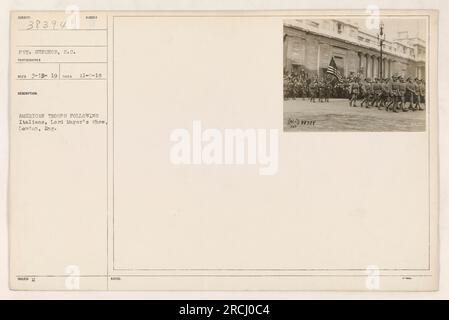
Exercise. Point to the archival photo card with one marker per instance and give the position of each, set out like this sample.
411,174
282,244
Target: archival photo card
223,151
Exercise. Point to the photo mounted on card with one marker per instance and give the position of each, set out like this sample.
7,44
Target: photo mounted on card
224,150
369,65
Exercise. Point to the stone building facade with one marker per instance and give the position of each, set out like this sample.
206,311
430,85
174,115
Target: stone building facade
309,45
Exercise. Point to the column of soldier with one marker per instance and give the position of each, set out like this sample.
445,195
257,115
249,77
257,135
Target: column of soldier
302,86
392,94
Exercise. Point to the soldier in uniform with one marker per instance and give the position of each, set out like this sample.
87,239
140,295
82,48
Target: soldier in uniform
313,90
354,90
385,94
410,94
338,90
318,89
295,86
328,90
307,87
417,94
402,91
422,93
321,89
377,93
395,94
346,86
302,85
298,86
290,86
366,93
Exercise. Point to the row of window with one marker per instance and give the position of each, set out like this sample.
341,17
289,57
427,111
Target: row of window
340,28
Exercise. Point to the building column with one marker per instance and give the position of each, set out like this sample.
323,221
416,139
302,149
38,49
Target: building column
375,66
382,67
421,72
359,55
378,66
366,65
389,68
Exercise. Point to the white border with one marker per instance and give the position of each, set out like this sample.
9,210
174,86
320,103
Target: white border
443,88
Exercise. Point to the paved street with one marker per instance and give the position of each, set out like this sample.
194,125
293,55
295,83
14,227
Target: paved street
336,115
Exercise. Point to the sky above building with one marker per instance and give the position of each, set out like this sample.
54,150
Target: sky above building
414,27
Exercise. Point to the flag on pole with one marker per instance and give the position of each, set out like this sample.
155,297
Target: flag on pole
332,69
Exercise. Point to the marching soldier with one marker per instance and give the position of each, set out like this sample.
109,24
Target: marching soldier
321,88
386,94
295,85
338,90
366,93
328,90
389,93
410,93
422,93
402,91
377,93
346,85
318,89
395,94
307,87
291,86
302,84
417,94
354,90
374,89
313,90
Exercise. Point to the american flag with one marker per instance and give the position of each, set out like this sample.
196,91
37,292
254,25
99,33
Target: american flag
332,69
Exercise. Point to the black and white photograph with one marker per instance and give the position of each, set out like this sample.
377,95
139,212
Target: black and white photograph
355,74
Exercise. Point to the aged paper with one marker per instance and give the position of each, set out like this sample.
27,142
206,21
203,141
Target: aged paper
223,151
